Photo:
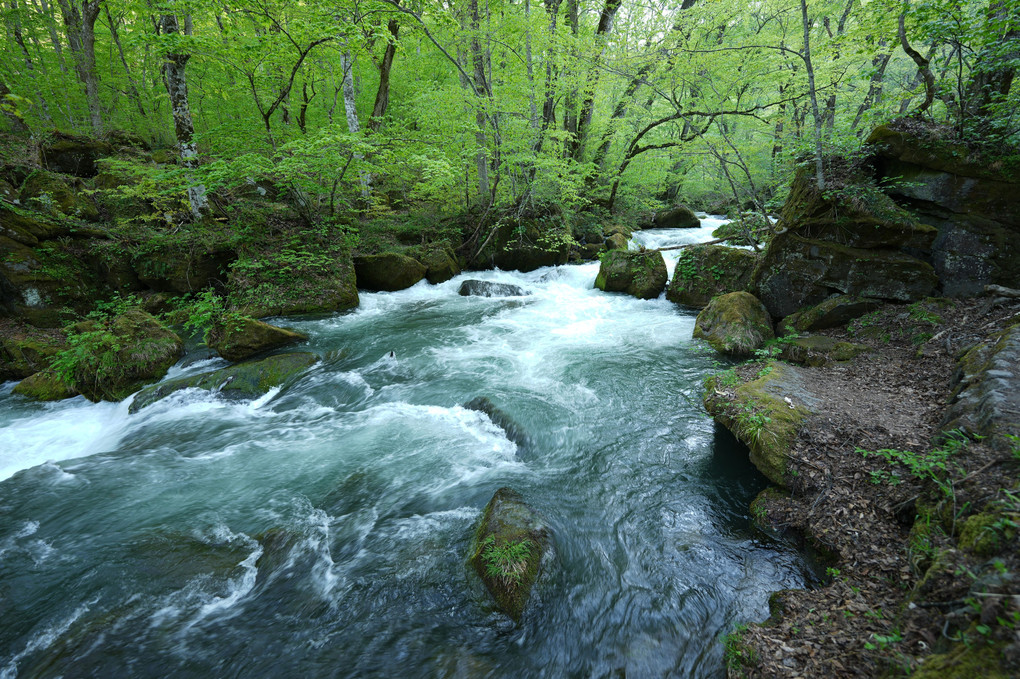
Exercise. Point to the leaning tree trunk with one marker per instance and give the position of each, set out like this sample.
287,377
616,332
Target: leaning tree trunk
819,171
382,95
184,128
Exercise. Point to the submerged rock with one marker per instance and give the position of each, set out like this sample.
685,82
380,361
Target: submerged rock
244,380
706,271
763,415
387,272
736,324
679,217
639,273
514,431
241,338
508,550
127,352
476,288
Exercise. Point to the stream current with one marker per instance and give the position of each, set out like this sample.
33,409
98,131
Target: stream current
323,529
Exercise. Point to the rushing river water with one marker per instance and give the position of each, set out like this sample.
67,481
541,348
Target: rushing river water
323,530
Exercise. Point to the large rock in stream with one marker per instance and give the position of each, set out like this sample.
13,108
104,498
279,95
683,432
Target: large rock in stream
679,217
244,380
238,339
706,271
514,431
476,288
508,551
735,324
388,271
639,273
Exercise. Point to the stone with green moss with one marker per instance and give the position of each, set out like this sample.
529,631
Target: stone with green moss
25,352
679,217
55,193
706,271
616,241
387,271
440,265
508,550
834,312
45,385
641,274
735,324
819,350
527,243
985,534
238,338
760,416
244,380
966,661
108,360
73,155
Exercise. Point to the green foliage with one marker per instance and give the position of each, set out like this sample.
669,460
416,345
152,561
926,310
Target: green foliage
737,654
92,348
506,561
936,466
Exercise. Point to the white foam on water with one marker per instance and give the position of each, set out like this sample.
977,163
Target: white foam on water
61,431
43,640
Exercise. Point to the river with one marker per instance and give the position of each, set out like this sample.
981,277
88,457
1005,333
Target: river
323,530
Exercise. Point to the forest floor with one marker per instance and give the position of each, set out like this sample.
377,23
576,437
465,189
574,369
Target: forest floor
901,595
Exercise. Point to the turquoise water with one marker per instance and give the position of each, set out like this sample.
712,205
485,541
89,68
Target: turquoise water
323,530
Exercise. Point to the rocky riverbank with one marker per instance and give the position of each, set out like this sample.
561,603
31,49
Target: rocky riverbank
900,470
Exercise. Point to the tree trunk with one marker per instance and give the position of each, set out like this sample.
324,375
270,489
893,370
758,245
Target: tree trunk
382,95
54,38
923,68
81,36
351,109
819,171
177,88
588,106
132,88
481,90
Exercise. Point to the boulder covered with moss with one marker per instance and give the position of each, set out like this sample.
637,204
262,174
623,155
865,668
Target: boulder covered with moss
735,324
639,273
25,351
388,271
765,414
679,217
850,239
45,386
242,381
819,350
108,360
440,265
706,271
57,193
238,338
509,548
834,312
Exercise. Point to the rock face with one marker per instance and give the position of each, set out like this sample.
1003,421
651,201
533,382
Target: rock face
759,415
184,272
680,217
259,290
735,324
476,288
508,550
244,380
973,206
705,271
238,339
986,396
852,239
51,191
126,353
514,431
25,355
387,272
641,274
73,155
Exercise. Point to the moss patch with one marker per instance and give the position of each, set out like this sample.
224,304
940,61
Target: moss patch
641,274
736,324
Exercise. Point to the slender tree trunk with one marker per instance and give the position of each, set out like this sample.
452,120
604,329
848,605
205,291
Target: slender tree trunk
588,106
132,88
874,95
481,90
351,109
382,95
29,64
184,128
54,37
819,170
923,67
81,36
570,100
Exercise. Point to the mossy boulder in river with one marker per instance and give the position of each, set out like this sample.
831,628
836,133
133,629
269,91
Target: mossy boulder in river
112,359
244,380
639,273
527,243
25,351
387,272
679,217
763,414
440,265
508,550
237,339
736,324
705,271
45,386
